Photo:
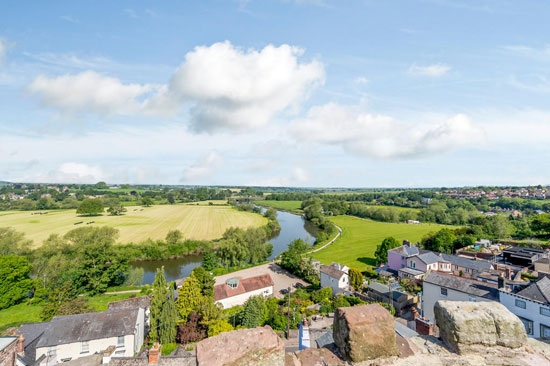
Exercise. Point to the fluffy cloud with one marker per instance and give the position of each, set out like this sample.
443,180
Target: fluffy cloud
297,177
89,91
69,173
225,88
435,70
382,136
3,50
203,168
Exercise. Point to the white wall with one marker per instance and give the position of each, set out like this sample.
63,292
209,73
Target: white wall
531,311
335,284
132,343
240,299
432,293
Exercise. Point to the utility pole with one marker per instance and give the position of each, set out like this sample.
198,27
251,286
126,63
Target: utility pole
288,317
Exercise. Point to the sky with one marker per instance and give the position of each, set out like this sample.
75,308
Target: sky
305,93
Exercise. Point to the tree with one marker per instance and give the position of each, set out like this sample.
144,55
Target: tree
209,260
441,241
254,311
163,315
90,207
147,201
541,223
101,185
190,298
498,227
13,242
219,326
206,281
135,277
15,281
174,237
116,210
356,278
76,306
381,253
57,297
192,330
170,198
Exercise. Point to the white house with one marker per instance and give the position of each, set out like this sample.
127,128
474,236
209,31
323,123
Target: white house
235,291
532,306
335,276
70,337
439,286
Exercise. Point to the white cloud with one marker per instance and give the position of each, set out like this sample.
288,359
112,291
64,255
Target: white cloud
69,173
3,50
435,70
89,91
382,136
230,88
203,168
361,80
70,19
300,175
297,177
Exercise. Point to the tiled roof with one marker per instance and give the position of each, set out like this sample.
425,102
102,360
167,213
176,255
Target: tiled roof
461,284
224,291
88,326
538,291
332,271
467,263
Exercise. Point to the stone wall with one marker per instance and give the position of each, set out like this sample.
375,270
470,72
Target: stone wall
8,354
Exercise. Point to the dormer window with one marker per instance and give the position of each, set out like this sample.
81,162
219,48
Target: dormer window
232,282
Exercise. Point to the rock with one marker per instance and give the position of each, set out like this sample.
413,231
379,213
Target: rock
243,347
470,326
364,332
317,357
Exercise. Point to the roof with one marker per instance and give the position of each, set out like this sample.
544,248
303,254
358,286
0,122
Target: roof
383,289
472,287
143,302
223,291
467,263
538,291
543,260
411,271
88,326
430,258
332,271
6,341
407,250
32,331
521,252
404,331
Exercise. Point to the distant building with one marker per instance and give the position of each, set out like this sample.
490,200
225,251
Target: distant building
69,337
439,286
236,291
542,265
525,257
335,276
397,257
532,306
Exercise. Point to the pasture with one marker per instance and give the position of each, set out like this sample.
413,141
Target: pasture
355,247
138,223
293,206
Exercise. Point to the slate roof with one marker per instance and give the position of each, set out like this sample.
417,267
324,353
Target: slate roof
6,341
404,331
430,258
467,263
472,287
88,326
407,250
332,271
223,291
143,302
538,291
411,271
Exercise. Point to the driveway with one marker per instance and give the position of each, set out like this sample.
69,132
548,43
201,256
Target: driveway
281,277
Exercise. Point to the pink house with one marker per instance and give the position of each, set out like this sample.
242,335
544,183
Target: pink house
397,257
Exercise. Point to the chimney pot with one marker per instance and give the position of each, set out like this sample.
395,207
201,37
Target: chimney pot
154,353
20,348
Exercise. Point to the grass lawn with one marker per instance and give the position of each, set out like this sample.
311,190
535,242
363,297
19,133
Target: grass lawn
356,246
23,313
283,205
397,207
138,223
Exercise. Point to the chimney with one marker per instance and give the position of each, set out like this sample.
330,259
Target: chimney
154,354
508,273
21,345
501,281
407,243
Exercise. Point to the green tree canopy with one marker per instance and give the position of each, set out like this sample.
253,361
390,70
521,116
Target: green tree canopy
206,281
163,314
356,278
441,241
381,253
190,298
254,311
209,260
15,281
90,206
13,242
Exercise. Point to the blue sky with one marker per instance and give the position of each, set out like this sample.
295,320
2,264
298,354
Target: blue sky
311,93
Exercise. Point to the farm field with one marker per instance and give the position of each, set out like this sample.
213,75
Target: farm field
138,223
282,205
397,208
356,246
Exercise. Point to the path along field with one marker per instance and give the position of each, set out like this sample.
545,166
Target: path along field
138,223
355,247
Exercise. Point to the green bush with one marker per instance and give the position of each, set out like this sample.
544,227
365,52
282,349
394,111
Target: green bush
168,348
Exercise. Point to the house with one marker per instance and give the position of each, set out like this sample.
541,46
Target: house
141,302
397,257
460,266
235,291
428,261
335,276
69,337
525,257
8,351
401,300
440,286
532,306
542,265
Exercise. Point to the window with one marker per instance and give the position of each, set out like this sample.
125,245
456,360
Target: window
467,270
520,304
456,267
471,298
84,347
544,311
444,292
528,324
52,351
544,331
120,341
413,264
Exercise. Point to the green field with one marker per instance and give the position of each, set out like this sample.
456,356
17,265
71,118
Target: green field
23,313
294,206
396,207
356,246
201,221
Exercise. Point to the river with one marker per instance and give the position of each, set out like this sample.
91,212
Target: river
292,227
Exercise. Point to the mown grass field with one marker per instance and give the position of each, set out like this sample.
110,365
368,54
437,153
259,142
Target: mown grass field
356,246
16,315
294,206
201,221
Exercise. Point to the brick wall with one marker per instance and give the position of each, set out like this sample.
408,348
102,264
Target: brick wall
8,354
